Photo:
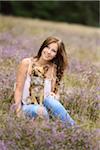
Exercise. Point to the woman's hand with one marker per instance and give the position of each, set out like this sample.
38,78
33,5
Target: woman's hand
56,96
16,108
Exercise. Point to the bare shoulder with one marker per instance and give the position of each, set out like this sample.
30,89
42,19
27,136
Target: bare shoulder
23,65
21,72
26,61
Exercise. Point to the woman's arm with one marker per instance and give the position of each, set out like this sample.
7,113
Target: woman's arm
56,96
20,79
52,75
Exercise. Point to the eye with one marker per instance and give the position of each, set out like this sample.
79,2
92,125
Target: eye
54,50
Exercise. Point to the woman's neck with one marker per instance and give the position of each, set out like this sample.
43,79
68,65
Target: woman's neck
42,62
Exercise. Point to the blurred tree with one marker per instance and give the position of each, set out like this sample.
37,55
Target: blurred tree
84,12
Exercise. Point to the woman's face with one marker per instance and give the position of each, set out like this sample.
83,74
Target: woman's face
49,52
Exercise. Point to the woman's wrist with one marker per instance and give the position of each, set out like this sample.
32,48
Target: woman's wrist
56,96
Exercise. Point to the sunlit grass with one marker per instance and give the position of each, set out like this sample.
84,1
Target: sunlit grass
88,55
20,38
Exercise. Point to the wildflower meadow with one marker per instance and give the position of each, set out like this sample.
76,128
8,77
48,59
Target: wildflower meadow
79,89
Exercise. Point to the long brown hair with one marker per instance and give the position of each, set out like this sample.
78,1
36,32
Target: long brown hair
61,57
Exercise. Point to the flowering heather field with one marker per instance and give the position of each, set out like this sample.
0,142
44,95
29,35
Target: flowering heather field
80,88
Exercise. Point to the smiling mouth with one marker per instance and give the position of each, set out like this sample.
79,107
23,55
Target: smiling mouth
47,56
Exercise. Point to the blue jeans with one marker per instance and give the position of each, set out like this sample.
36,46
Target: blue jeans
32,111
50,103
58,110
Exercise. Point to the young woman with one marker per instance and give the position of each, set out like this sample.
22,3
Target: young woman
37,82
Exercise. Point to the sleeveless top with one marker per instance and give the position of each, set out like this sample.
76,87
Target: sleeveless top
37,86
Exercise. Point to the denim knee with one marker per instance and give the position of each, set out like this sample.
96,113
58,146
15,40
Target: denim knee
32,110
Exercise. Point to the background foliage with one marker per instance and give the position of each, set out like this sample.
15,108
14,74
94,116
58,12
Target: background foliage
83,12
80,87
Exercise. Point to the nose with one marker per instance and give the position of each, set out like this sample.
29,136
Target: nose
49,51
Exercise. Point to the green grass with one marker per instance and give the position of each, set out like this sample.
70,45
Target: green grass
79,88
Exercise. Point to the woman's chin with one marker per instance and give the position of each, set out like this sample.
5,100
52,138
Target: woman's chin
46,58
